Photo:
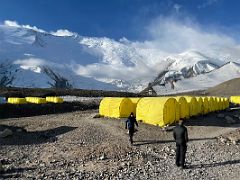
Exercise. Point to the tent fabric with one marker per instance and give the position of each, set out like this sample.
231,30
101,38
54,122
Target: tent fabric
215,107
211,104
226,102
15,100
116,107
159,111
222,104
135,101
235,99
219,103
54,99
183,107
200,105
36,100
193,105
205,105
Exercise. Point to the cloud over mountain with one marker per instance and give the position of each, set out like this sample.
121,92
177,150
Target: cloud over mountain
108,60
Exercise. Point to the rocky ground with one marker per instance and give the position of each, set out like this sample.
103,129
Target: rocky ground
77,146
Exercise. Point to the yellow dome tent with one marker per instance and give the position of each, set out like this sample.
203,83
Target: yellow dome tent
211,103
235,99
36,100
216,103
134,101
219,103
116,107
184,107
193,105
15,100
200,105
54,99
205,105
226,103
159,111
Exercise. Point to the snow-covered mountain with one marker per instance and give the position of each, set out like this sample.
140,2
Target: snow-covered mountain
226,72
76,61
186,65
30,57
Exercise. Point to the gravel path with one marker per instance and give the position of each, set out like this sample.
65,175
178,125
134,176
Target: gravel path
78,146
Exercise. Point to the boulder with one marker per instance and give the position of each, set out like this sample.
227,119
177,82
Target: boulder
97,116
222,139
230,120
220,115
6,133
1,167
103,157
19,130
233,139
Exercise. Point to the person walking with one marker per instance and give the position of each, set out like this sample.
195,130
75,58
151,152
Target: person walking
130,123
180,135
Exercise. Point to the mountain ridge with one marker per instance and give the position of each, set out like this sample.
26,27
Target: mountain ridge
93,63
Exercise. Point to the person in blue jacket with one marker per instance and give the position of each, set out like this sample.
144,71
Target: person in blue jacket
130,123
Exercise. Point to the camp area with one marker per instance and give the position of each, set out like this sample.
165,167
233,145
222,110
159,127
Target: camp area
161,111
72,138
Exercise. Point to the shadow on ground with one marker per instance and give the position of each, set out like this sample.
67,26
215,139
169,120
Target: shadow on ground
14,172
213,164
22,137
211,119
27,110
146,142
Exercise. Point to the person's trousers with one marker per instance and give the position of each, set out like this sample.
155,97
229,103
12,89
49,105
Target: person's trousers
131,132
180,154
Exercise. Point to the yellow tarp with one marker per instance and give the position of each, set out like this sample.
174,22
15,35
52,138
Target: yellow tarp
36,100
159,111
116,107
183,107
54,99
193,105
15,100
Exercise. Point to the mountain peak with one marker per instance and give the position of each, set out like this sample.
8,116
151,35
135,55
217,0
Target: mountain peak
91,61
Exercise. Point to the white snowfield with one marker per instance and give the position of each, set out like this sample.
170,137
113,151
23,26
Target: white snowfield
79,99
101,63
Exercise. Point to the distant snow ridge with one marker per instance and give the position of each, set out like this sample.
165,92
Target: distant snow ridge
226,72
186,65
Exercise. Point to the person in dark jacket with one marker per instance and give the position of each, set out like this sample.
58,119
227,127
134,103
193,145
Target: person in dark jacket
130,122
180,135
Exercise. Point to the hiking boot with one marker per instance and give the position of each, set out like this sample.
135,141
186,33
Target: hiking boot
184,167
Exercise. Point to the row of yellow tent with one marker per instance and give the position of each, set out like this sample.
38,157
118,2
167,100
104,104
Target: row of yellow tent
34,100
235,99
161,111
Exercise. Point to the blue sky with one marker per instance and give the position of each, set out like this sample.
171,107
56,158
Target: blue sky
120,18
